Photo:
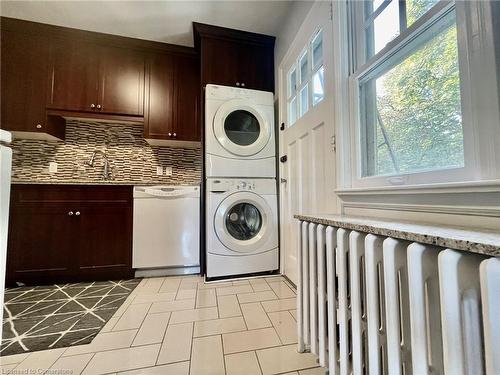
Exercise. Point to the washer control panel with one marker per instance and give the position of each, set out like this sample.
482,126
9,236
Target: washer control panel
259,186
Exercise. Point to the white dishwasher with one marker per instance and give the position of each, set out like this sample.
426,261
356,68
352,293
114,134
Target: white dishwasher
166,230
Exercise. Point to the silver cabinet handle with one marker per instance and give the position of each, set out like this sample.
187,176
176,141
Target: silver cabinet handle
77,213
169,134
243,85
92,105
70,213
38,126
175,135
237,83
99,106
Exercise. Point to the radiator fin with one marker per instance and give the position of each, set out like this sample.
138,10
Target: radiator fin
370,304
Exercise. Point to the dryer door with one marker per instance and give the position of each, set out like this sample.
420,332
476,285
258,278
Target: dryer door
243,223
240,128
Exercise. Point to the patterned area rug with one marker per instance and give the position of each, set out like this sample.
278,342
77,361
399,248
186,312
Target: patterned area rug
56,316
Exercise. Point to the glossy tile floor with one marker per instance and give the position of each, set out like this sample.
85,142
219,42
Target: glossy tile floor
181,326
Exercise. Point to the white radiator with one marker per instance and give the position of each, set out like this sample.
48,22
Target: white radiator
370,304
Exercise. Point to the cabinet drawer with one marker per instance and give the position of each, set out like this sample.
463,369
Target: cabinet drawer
72,194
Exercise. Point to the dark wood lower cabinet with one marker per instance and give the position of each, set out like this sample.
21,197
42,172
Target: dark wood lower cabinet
69,233
39,243
106,249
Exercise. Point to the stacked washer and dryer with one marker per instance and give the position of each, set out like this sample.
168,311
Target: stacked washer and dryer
240,170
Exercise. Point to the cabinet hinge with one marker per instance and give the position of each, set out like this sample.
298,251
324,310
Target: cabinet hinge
331,10
333,143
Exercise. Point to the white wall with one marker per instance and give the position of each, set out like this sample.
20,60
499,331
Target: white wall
293,20
495,7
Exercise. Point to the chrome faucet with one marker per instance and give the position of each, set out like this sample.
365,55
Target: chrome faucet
106,173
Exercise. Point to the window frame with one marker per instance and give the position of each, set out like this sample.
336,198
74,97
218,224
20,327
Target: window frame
406,41
307,81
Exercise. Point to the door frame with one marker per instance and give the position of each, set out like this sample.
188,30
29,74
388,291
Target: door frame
310,25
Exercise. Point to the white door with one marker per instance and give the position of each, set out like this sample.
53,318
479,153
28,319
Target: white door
306,96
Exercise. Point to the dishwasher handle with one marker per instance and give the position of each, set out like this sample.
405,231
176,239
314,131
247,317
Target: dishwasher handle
173,193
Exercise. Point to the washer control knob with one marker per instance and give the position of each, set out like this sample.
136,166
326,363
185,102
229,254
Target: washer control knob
243,184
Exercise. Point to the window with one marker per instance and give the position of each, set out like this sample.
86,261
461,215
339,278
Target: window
306,79
409,71
412,118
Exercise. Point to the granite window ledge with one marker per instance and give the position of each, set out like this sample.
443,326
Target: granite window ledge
459,238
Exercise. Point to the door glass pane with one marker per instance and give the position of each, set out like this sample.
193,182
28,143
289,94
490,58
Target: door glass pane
318,85
242,127
417,8
317,49
384,29
292,111
372,6
292,82
411,115
243,221
303,68
304,102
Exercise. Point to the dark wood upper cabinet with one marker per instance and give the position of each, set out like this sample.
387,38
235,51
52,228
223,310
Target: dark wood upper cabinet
159,119
256,64
220,62
73,75
121,81
24,69
24,72
86,77
187,114
235,58
173,117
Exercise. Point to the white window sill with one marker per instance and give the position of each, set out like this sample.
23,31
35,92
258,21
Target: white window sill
479,198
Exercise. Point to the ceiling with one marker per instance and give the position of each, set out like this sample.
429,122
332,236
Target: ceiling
164,21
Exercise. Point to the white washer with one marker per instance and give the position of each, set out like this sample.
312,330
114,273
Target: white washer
242,226
239,132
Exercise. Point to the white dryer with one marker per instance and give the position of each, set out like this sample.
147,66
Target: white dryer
239,132
242,227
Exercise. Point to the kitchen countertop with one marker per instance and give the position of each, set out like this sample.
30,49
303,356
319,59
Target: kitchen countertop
98,182
460,238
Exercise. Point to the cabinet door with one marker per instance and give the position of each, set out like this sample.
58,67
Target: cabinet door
256,67
105,248
159,121
41,243
74,73
23,82
187,115
220,62
121,81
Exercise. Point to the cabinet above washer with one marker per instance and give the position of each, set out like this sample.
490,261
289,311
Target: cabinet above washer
235,58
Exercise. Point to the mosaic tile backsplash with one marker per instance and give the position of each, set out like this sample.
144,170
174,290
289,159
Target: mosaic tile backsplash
131,159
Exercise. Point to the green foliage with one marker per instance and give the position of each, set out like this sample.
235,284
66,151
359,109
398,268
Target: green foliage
416,8
419,105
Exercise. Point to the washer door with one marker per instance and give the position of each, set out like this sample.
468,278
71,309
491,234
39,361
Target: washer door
240,128
242,222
